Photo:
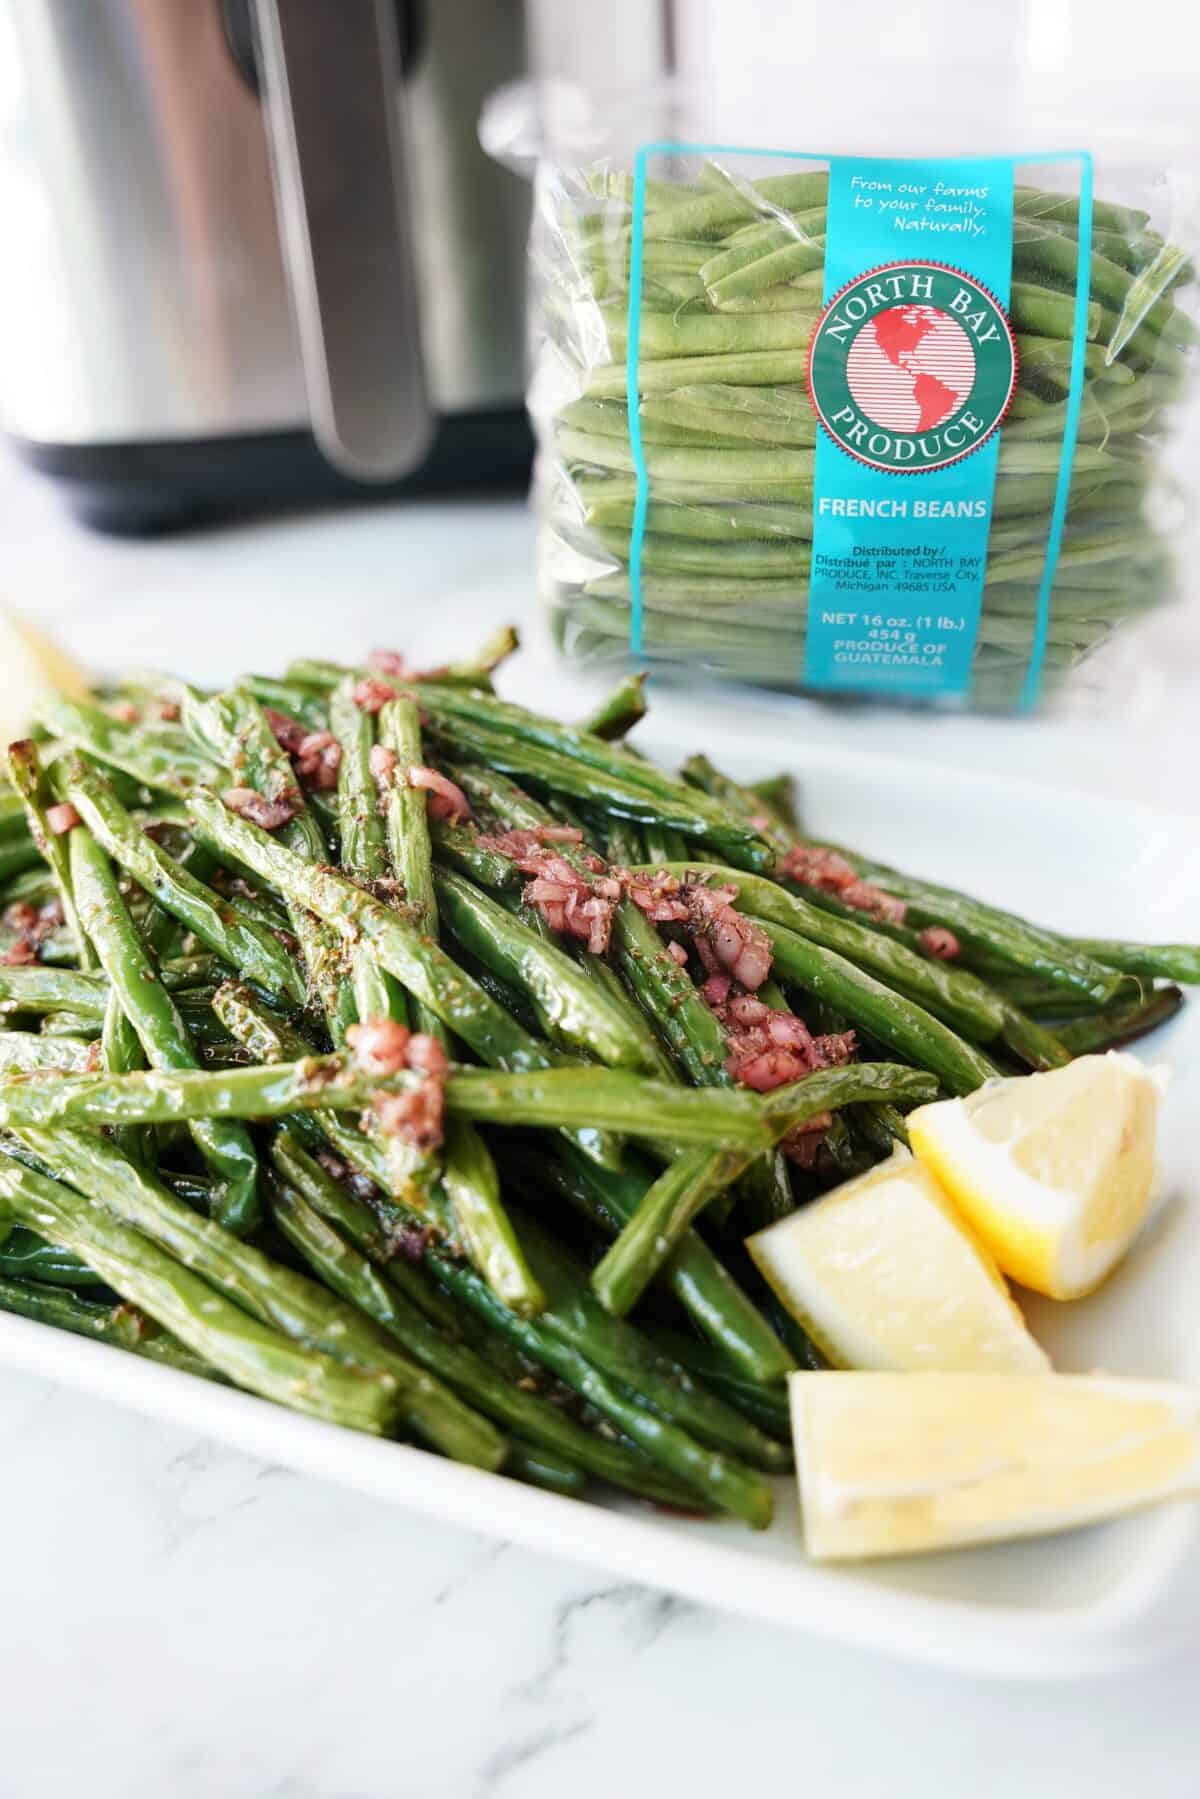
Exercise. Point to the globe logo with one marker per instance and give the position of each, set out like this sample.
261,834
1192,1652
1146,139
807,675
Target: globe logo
911,368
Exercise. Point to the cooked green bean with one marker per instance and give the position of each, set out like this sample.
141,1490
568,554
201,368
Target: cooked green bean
718,1307
1168,961
963,1001
121,1325
719,1479
684,1189
623,708
290,1303
577,1013
26,1256
251,1354
1120,1023
37,796
551,1098
219,923
224,1144
337,1234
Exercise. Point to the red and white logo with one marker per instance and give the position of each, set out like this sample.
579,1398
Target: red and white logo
911,368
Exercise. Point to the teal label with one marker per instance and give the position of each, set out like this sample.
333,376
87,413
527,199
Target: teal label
911,371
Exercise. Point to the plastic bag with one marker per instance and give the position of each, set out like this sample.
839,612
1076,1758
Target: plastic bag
883,442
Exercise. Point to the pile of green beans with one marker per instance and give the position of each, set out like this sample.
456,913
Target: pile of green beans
731,289
194,1165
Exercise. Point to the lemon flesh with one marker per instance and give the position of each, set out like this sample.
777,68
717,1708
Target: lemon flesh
894,1464
1054,1172
882,1274
31,666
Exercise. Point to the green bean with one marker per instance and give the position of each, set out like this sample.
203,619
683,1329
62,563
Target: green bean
666,993
1016,942
1031,1042
121,1052
314,1220
1051,357
719,411
1032,202
618,1349
718,1479
773,233
719,1308
569,1096
160,757
250,1354
26,1256
473,1189
290,1303
658,421
634,795
37,796
684,1189
765,1403
272,1040
617,714
72,1025
459,847
364,1227
1119,1023
962,1000
38,989
13,820
750,368
17,858
234,727
662,846
470,1181
238,940
1055,260
290,698
25,1051
371,1227
364,857
880,1125
363,840
731,203
474,671
225,1146
465,712
578,1014
1170,961
121,1325
32,887
899,1023
400,947
543,1468
701,335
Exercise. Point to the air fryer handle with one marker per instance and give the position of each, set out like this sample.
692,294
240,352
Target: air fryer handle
332,98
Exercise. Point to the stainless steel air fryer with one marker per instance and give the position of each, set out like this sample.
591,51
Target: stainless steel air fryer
255,253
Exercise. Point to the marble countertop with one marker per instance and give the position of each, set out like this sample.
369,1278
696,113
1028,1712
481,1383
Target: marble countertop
177,1619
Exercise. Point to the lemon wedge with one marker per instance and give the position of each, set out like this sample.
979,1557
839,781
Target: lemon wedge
894,1464
883,1274
1052,1171
31,666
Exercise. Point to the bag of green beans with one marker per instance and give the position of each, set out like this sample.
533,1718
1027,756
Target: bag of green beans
895,426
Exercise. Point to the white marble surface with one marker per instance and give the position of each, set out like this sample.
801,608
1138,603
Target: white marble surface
178,1620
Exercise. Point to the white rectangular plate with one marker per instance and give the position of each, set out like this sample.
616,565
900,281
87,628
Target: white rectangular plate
1092,1600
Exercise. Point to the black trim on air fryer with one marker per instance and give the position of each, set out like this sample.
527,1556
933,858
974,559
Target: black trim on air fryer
139,489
